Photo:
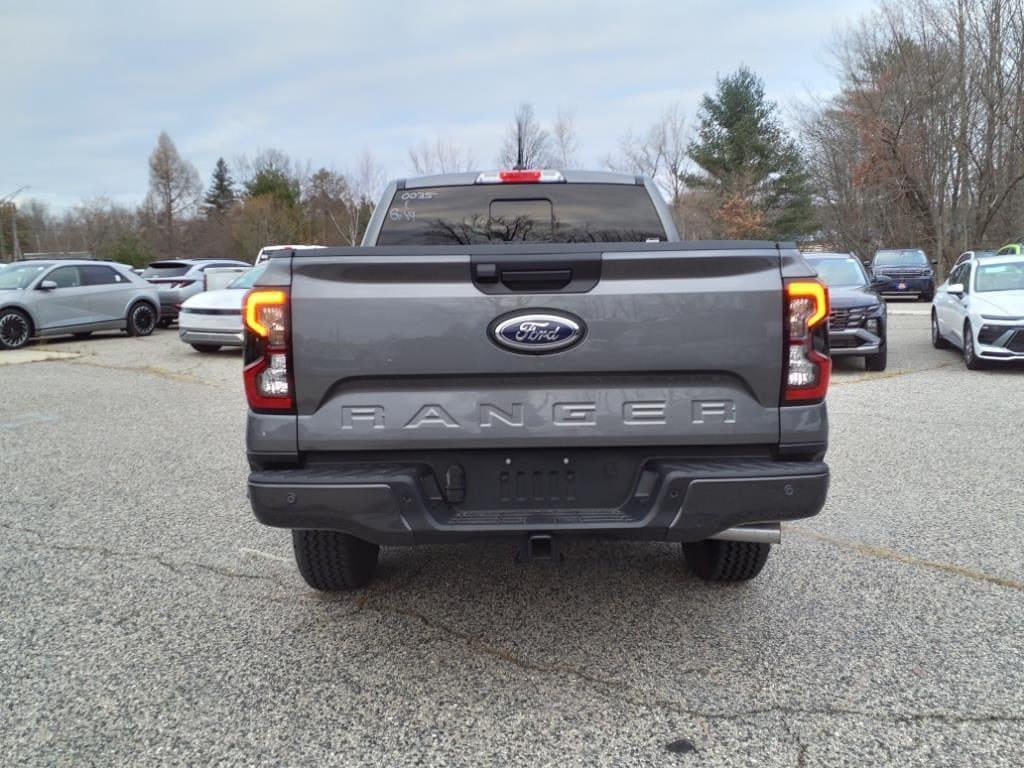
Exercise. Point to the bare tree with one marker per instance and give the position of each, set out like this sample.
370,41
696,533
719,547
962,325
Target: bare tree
924,143
565,151
174,189
660,152
441,156
364,186
526,144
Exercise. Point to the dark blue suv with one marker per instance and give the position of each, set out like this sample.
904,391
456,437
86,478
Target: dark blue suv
904,272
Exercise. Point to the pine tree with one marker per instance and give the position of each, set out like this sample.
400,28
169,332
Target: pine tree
747,160
221,195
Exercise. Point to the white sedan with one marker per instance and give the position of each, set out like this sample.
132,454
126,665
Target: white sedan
980,309
213,319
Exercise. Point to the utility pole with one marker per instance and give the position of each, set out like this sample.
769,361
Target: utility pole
14,231
14,222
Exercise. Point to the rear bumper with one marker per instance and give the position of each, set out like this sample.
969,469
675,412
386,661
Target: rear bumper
671,501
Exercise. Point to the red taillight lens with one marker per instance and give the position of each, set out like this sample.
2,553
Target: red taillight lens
267,372
806,364
520,177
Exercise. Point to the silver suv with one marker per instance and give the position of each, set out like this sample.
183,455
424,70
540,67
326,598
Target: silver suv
180,279
71,297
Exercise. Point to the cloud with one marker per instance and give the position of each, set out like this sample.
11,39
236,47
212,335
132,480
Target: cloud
95,84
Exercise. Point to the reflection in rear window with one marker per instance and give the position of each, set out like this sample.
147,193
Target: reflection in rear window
901,258
540,213
166,270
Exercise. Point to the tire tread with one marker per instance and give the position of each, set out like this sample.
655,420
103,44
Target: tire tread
726,561
331,561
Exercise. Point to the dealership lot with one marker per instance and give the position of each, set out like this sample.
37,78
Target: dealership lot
147,618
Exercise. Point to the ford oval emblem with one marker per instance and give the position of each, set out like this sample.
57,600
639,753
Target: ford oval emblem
537,333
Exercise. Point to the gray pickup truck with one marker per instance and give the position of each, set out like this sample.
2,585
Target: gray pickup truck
535,356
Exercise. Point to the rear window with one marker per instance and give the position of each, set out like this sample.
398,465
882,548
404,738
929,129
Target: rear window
248,278
166,269
839,271
513,213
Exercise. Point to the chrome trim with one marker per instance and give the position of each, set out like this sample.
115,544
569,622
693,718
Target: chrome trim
224,338
870,343
760,533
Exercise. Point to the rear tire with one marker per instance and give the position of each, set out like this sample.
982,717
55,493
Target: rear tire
206,349
15,329
877,362
142,318
334,562
938,340
725,561
165,322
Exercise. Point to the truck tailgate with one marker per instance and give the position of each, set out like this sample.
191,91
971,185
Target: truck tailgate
393,350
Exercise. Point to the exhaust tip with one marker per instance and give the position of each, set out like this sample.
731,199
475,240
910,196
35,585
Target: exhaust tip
762,533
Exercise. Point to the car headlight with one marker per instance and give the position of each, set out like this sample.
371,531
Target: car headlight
872,325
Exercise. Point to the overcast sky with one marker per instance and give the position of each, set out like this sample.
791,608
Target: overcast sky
88,86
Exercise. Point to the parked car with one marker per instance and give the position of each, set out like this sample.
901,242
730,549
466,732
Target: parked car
968,255
980,309
213,319
266,250
178,279
71,297
557,365
1013,248
906,272
857,322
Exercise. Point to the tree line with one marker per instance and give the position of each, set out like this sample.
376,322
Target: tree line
922,144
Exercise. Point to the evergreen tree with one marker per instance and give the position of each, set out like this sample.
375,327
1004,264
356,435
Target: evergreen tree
221,195
749,162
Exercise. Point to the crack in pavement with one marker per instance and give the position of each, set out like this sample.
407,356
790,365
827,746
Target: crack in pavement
623,691
888,375
174,566
606,686
149,370
875,550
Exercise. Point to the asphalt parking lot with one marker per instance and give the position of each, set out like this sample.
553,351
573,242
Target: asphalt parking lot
148,620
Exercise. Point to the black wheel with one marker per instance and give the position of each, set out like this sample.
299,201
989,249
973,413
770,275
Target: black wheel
81,335
15,329
334,562
879,360
165,322
714,560
971,359
938,340
141,319
205,348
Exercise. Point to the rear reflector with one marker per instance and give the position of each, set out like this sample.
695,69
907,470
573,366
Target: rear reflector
520,177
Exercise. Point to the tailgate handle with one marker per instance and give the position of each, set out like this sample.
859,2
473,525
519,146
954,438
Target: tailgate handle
536,279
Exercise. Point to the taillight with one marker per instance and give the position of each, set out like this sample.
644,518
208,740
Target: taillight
267,372
806,364
520,177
